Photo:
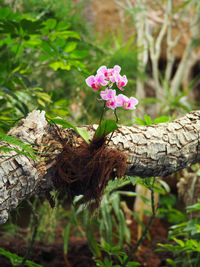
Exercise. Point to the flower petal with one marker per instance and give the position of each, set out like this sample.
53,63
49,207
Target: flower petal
117,68
90,80
102,70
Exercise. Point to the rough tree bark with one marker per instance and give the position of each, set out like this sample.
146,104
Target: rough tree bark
155,150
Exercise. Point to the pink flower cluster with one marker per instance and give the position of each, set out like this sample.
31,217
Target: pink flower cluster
106,77
113,101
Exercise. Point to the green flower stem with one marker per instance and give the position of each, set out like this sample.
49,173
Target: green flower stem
102,113
36,223
134,249
115,112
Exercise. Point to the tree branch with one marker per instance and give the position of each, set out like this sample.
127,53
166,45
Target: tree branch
154,150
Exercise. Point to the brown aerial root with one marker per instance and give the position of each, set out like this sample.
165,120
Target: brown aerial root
87,168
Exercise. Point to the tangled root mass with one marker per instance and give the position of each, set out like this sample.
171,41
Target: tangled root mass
86,169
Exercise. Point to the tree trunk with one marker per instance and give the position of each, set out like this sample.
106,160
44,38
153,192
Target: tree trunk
155,150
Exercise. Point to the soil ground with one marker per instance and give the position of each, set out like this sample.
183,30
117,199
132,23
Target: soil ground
79,255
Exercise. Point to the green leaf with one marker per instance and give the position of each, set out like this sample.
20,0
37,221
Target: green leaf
61,102
8,92
47,48
115,201
127,193
133,264
106,219
4,12
66,35
22,107
196,42
50,23
178,241
161,120
106,127
168,200
33,42
14,141
79,54
59,65
64,123
7,41
44,96
165,185
6,149
8,26
79,65
17,49
70,46
60,112
30,27
62,25
133,179
93,245
59,43
139,121
66,237
195,207
83,133
17,260
147,119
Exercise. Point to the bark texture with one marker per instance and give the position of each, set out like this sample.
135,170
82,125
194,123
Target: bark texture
155,150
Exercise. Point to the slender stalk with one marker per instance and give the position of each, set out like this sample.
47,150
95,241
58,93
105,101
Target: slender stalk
134,249
117,119
102,113
139,234
36,223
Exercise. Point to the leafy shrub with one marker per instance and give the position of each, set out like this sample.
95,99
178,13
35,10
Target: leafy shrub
185,241
29,46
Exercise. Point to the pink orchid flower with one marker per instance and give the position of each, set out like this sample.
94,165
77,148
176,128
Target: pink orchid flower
110,96
121,81
125,102
95,81
108,73
111,104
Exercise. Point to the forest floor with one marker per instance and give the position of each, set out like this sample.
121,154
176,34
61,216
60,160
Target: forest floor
79,255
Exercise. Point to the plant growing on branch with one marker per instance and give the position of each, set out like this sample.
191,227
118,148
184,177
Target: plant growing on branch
86,169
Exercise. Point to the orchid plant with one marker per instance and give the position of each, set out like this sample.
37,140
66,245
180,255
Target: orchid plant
108,77
105,78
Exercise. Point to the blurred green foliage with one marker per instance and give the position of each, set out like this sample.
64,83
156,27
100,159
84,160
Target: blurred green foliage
108,229
16,260
168,209
31,50
184,239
